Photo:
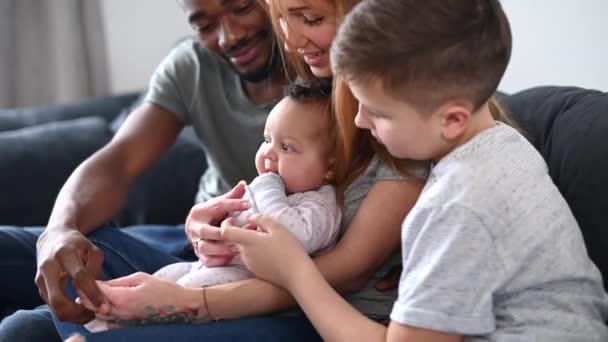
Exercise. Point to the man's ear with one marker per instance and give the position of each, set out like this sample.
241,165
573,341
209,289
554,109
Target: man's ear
455,118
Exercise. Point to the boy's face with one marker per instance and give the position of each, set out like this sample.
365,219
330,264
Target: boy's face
239,31
406,133
294,146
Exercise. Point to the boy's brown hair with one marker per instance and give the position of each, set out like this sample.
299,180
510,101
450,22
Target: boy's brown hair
426,52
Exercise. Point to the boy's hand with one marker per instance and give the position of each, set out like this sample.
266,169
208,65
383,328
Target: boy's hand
64,253
202,226
272,252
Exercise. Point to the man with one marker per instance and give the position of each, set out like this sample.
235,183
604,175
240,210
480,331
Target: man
224,85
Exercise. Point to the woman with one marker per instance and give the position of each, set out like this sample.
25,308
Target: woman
370,182
479,263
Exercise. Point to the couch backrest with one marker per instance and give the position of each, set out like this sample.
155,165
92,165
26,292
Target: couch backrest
569,126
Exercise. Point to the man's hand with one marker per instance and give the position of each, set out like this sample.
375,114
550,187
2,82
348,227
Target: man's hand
62,253
202,226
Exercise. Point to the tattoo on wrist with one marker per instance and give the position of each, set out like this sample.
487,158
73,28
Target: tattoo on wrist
165,315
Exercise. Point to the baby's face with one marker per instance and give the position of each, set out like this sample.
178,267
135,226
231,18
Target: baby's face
294,146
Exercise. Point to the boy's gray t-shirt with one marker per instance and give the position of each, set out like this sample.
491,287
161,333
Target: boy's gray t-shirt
205,92
492,251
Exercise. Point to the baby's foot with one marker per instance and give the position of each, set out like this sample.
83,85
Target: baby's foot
75,338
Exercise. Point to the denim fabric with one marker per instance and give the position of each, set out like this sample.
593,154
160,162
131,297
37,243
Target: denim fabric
18,266
128,250
18,259
266,328
29,326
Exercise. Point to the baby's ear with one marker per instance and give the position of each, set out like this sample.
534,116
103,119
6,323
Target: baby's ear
329,176
330,173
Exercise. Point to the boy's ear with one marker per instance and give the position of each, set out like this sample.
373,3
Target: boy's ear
455,119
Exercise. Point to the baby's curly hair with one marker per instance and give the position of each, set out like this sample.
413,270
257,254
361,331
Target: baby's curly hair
310,91
317,92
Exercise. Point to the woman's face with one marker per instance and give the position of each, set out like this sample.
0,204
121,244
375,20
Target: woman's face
310,27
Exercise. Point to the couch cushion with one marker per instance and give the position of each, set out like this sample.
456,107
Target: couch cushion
37,160
165,193
569,126
104,107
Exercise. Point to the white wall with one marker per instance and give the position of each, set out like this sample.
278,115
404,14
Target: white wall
561,42
139,34
554,41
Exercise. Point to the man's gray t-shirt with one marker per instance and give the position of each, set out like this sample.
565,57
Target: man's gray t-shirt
492,251
204,91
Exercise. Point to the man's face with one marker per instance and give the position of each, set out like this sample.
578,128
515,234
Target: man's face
237,30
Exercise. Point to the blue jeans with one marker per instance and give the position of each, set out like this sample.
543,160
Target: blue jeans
265,329
147,248
18,258
18,268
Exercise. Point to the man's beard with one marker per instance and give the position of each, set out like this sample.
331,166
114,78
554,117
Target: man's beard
264,72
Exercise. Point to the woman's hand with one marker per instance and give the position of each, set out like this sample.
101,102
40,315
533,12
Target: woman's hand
272,252
144,299
202,226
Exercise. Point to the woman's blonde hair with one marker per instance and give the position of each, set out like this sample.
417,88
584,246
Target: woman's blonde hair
276,11
354,147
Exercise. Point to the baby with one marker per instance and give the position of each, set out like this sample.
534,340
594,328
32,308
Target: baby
295,166
294,163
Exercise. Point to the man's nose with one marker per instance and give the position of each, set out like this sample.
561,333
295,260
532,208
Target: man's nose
230,34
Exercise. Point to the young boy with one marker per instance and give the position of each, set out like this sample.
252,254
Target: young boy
491,250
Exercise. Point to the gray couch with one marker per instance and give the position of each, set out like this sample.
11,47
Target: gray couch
40,147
